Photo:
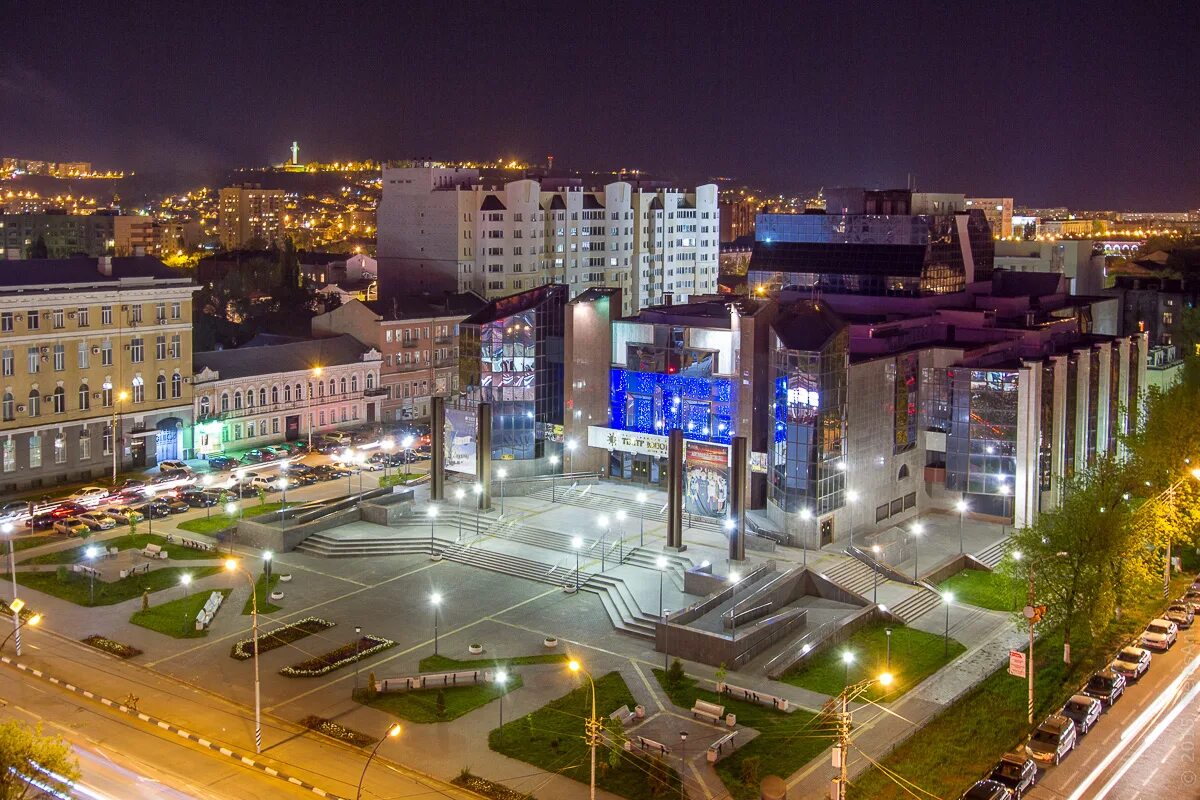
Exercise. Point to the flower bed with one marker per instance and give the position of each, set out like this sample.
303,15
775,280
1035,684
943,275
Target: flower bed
495,791
279,637
336,731
109,646
336,659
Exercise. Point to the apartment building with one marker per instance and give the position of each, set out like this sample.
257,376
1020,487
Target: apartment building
456,229
418,337
247,212
86,345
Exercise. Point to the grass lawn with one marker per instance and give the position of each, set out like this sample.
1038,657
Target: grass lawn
32,540
130,541
75,589
219,522
552,738
915,656
176,618
444,664
262,593
992,590
421,706
964,742
785,743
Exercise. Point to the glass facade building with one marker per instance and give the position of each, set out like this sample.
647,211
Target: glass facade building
981,448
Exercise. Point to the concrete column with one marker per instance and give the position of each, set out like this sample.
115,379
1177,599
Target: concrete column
737,498
675,490
437,433
483,454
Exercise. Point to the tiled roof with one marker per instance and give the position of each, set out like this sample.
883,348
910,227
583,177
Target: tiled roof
269,359
82,271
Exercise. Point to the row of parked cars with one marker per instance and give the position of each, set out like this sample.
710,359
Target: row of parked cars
1059,734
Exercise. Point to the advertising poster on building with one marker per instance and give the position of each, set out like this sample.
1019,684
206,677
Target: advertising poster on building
706,479
461,430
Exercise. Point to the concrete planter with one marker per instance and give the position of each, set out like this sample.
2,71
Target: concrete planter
569,589
475,649
276,595
436,557
550,641
639,712
285,578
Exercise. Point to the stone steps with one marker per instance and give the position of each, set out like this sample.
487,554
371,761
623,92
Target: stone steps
854,576
608,504
918,604
993,555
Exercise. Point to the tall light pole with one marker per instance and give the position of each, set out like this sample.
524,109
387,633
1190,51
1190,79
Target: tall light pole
206,482
847,660
734,578
947,599
459,494
433,512
119,397
602,523
841,747
875,596
231,510
620,515
90,554
682,764
387,444
150,509
913,532
592,727
478,494
435,600
392,732
553,477
1006,492
962,507
36,619
888,631
851,498
232,565
501,679
357,652
570,447
282,484
184,581
316,373
806,514
641,500
501,473
577,545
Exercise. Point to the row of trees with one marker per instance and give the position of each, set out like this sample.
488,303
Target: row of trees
1108,542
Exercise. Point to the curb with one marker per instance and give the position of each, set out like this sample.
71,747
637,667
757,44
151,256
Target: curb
166,726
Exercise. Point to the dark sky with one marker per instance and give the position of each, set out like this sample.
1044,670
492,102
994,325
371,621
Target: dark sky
1092,105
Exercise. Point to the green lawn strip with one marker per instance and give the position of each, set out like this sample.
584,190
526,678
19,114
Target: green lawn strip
219,522
784,744
553,738
993,590
130,541
965,741
25,542
915,656
176,618
263,594
421,706
75,588
445,664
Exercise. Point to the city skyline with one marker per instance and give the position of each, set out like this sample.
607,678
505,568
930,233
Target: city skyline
985,103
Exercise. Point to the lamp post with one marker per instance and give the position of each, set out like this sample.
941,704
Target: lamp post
1006,492
388,444
553,477
478,494
459,494
641,499
34,620
875,591
734,578
501,473
620,535
392,732
847,660
316,373
231,510
90,554
602,522
433,512
267,557
888,631
851,498
282,484
806,514
947,599
232,565
206,482
962,507
184,581
577,545
501,679
842,716
435,600
119,398
682,763
592,727
570,445
915,531
357,652
150,509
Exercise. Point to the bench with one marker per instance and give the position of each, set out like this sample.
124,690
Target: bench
434,680
709,711
113,552
192,543
780,703
205,615
86,570
715,750
647,745
623,715
153,551
139,569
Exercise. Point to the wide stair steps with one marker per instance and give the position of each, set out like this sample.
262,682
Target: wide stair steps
921,602
993,555
608,504
853,576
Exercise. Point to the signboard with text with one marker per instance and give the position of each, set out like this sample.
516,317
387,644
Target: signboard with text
1016,663
646,444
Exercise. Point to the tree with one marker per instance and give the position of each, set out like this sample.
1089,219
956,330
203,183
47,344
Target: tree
39,248
675,674
20,748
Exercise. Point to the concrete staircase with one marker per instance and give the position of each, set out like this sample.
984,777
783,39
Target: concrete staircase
917,604
993,555
854,576
608,504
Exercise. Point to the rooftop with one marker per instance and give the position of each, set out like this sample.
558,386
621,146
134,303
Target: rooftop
68,272
293,356
399,306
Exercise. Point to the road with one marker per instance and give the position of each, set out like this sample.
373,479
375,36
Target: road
1145,745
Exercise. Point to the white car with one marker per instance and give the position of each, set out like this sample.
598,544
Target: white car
89,495
172,464
1160,634
259,482
98,520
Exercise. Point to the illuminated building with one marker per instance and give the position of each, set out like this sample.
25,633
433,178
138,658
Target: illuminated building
80,340
65,235
1075,259
255,395
249,213
458,229
999,213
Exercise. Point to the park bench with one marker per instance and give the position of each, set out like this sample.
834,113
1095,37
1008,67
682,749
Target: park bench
434,680
153,551
113,552
192,543
762,698
86,570
709,711
623,715
139,569
647,745
716,749
205,615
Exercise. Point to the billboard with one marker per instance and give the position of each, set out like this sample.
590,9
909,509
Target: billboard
706,479
462,428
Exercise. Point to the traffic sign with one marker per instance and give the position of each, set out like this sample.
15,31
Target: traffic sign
1016,663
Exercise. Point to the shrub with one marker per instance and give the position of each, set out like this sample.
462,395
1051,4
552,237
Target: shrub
749,770
63,574
675,674
440,702
370,690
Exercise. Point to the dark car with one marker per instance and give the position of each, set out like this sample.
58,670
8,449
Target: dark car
41,522
155,510
13,509
175,505
328,472
300,475
988,790
68,509
132,483
171,475
1106,686
196,498
1017,771
221,463
1084,710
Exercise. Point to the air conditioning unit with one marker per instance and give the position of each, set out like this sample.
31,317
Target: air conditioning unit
45,315
127,347
18,316
124,308
162,320
21,408
70,315
95,351
45,358
95,395
45,350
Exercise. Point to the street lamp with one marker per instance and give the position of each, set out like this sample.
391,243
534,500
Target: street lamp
947,599
459,494
847,660
888,631
806,514
206,482
231,510
962,507
915,531
90,554
232,565
621,533
1005,491
851,498
184,581
392,732
121,396
282,485
570,445
641,499
682,763
34,620
478,495
501,679
357,652
734,578
316,373
388,444
433,512
875,569
435,600
501,473
602,522
267,557
553,477
577,544
592,725
842,718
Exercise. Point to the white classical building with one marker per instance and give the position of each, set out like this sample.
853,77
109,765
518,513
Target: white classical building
455,229
253,396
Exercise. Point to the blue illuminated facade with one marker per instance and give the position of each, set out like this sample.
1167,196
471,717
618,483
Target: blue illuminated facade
655,402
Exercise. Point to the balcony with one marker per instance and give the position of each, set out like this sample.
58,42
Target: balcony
410,343
443,340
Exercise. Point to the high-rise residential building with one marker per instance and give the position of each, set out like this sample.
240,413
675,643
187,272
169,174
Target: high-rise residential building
456,229
249,213
65,235
999,213
84,344
134,236
737,220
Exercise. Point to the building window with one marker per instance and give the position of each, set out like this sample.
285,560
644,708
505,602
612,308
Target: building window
81,355
85,445
249,398
135,313
160,387
106,353
176,346
343,384
35,403
332,387
85,397
354,383
9,407
6,322
7,360
160,348
237,432
176,386
35,451
32,321
139,390
175,311
106,315
322,422
370,380
274,395
320,388
237,400
10,455
137,350
262,396
160,311
60,321
275,425
60,449
205,406
299,396
106,441
287,393
106,394
250,434
82,317
224,401
60,358
33,360
58,401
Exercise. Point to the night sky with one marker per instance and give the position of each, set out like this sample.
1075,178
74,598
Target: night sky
1097,106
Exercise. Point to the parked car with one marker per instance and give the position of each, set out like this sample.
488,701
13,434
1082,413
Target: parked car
173,465
40,522
176,505
68,509
221,463
1107,686
1017,771
71,526
988,790
98,520
152,510
1083,711
171,476
258,456
1132,662
89,494
1181,614
1052,740
1192,595
197,498
300,475
1160,634
338,437
328,472
124,514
